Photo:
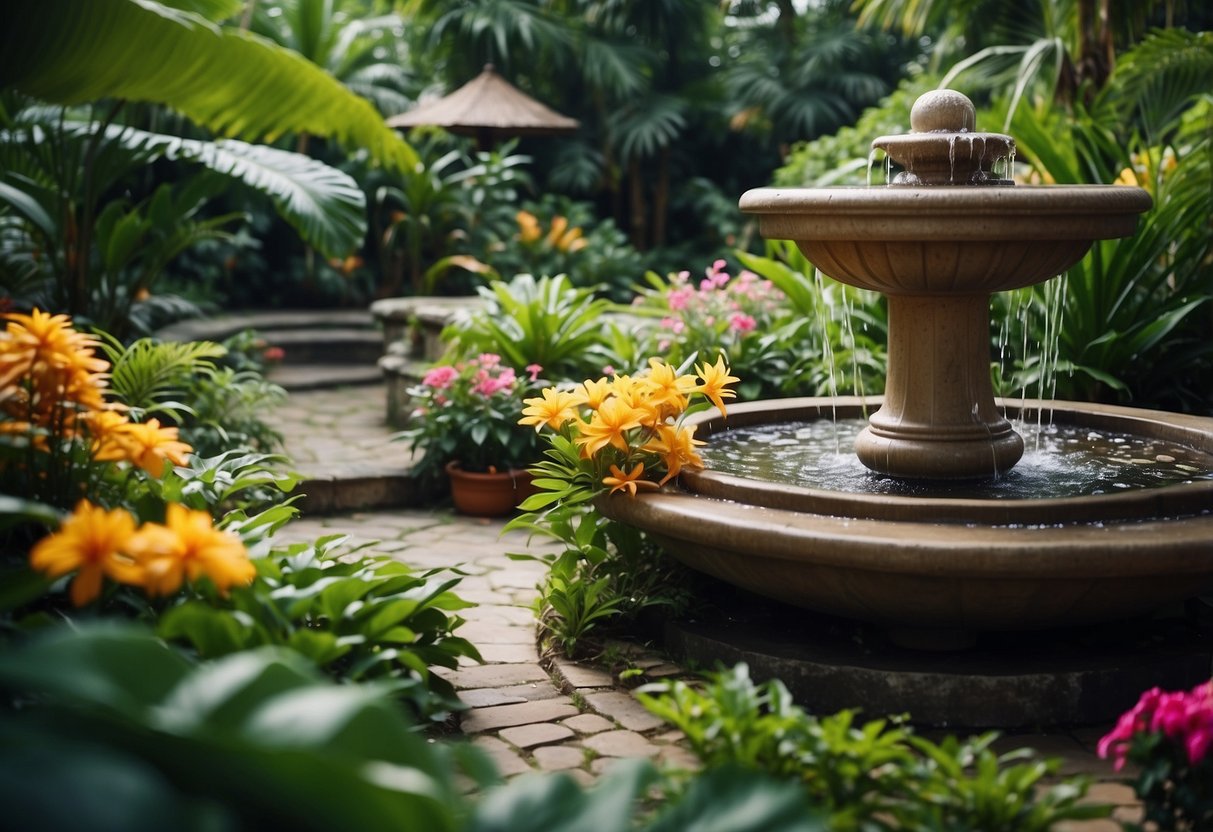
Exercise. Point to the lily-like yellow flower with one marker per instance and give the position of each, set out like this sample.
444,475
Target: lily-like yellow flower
592,393
528,226
559,225
677,448
151,446
715,380
630,482
104,428
555,409
607,427
189,546
92,543
667,390
569,238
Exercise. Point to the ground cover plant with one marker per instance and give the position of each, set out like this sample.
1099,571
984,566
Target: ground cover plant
870,775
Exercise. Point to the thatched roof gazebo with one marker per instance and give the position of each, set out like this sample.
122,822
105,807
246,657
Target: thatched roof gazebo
488,108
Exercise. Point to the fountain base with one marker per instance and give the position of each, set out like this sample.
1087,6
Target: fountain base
1063,677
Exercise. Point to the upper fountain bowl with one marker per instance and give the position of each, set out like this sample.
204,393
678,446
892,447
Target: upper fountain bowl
942,235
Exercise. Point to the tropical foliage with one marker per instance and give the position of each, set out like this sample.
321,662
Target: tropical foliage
146,738
869,775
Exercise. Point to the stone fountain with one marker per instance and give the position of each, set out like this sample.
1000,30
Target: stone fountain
935,572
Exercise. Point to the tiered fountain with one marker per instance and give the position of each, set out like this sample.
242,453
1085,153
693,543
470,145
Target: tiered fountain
935,571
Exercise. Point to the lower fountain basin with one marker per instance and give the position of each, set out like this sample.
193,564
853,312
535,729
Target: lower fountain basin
938,570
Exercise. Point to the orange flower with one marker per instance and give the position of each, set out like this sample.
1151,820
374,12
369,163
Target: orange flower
715,378
92,543
188,546
607,427
151,446
559,224
104,429
555,409
666,390
676,445
592,393
630,481
528,226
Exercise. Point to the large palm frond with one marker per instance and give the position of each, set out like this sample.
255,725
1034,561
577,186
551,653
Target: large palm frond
1158,78
227,80
323,204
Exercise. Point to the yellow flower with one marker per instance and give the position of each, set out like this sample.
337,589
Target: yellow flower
555,409
630,481
666,390
56,362
592,393
92,543
676,445
188,546
151,446
528,226
104,428
607,427
569,238
559,224
715,378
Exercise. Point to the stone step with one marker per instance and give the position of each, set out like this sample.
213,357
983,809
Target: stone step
327,346
224,326
320,376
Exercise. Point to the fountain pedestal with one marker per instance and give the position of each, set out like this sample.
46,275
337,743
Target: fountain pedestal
939,420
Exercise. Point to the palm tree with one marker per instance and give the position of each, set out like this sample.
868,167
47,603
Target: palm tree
1012,44
67,226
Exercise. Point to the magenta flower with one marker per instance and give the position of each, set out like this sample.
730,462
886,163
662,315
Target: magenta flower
742,322
1185,718
440,378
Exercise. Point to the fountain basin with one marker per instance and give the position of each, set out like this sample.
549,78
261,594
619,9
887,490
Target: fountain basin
936,571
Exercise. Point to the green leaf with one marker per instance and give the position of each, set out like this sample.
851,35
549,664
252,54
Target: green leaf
225,79
212,631
116,665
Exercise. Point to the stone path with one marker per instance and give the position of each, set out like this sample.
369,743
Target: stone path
576,718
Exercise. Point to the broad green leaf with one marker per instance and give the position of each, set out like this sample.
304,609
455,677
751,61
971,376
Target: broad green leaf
225,79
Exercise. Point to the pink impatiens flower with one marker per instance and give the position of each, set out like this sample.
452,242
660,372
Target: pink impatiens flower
1185,718
533,370
440,378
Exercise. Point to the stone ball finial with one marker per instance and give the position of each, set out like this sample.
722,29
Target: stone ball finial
943,111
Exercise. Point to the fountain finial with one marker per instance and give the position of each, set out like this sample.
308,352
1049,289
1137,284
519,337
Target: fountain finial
943,147
943,111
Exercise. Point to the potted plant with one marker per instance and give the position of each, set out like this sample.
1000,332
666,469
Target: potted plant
465,423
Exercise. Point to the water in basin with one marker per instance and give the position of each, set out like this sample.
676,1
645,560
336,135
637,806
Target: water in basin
1058,461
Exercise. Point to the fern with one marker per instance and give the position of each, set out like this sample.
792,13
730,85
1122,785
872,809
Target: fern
1158,79
146,374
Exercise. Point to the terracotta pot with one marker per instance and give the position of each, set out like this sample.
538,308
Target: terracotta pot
488,494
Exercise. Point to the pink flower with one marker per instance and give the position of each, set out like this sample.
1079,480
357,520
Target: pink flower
608,370
533,370
742,323
440,378
679,298
488,360
273,354
1186,718
488,385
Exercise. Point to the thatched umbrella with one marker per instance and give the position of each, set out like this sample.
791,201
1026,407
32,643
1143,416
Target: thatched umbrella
488,107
